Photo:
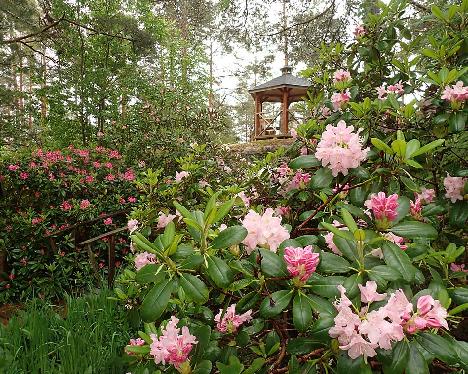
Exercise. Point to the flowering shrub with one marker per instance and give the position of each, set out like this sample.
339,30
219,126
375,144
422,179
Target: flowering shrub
343,253
48,192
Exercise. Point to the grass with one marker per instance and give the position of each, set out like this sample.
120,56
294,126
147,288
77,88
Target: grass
86,336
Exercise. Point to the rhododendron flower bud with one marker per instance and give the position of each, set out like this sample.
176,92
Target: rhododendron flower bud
384,208
454,188
303,151
84,204
369,292
416,208
143,259
432,311
163,219
66,206
426,196
108,221
301,262
283,210
172,347
263,230
340,99
230,321
135,342
132,225
13,167
181,175
340,148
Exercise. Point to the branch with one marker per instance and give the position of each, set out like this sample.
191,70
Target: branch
301,23
36,51
418,6
20,38
98,31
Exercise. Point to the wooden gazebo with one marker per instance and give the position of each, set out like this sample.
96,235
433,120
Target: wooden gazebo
285,89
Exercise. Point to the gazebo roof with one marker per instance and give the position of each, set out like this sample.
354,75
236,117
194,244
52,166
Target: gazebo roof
273,89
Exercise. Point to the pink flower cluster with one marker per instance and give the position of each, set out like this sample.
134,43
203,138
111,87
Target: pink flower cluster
164,219
299,181
362,332
301,262
230,321
383,91
340,148
143,259
263,230
171,347
461,268
138,342
339,99
359,31
66,206
341,76
132,225
383,207
181,175
456,94
454,188
426,196
84,204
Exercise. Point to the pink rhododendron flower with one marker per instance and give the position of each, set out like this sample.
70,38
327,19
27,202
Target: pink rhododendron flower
359,31
143,259
84,204
339,99
164,219
456,95
369,292
340,148
382,92
430,314
244,198
114,154
131,199
454,188
171,347
293,133
341,76
203,183
132,225
89,179
396,88
301,262
36,220
283,210
13,167
96,164
135,342
456,267
23,175
384,208
325,111
299,181
263,230
181,175
303,151
230,321
390,236
66,206
416,208
129,175
108,221
426,196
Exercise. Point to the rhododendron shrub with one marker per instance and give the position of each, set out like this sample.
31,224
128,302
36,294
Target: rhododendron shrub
343,252
44,195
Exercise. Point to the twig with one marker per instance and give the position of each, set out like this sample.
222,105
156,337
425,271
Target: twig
20,38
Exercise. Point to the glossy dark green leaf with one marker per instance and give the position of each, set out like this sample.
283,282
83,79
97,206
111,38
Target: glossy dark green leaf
230,236
346,365
321,305
194,288
416,363
331,263
457,121
400,353
438,346
395,257
320,328
219,271
155,302
347,247
302,313
302,345
304,162
272,264
150,273
325,286
414,230
276,303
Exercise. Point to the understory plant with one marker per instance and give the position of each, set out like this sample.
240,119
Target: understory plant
346,258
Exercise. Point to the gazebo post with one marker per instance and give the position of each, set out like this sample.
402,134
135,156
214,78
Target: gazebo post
258,110
284,129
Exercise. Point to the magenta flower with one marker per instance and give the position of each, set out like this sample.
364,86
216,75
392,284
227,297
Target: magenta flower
340,99
13,167
143,259
84,204
129,175
230,321
108,221
89,179
340,148
171,347
110,177
131,199
454,188
301,262
263,230
37,220
416,208
23,175
384,208
283,211
455,267
66,206
396,88
114,154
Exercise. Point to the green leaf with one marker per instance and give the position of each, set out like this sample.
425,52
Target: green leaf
396,258
437,12
223,210
219,271
139,350
416,363
320,305
399,147
414,229
459,295
183,210
428,147
169,234
302,345
150,273
412,146
210,205
276,303
331,263
325,286
413,164
192,262
347,247
351,284
155,302
348,220
234,366
438,346
256,365
384,272
203,335
322,178
458,214
304,162
231,236
379,144
345,234
194,288
302,313
272,264
346,365
320,328
400,353
203,367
